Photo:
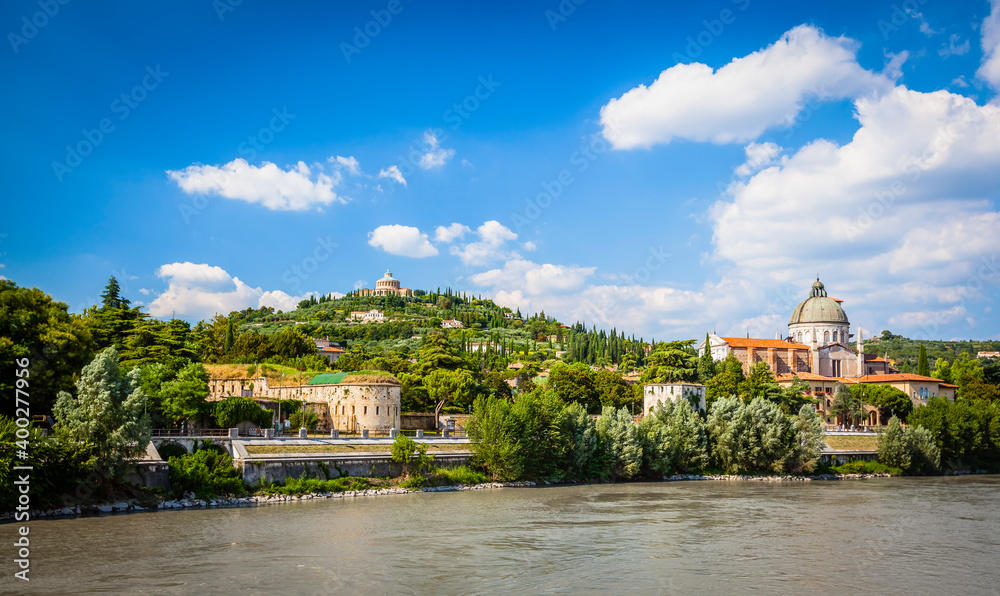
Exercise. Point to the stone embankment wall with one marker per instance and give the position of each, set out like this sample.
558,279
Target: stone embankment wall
277,469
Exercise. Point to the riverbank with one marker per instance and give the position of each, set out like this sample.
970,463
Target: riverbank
191,502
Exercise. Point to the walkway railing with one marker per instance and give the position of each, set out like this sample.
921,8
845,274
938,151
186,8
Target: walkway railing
189,432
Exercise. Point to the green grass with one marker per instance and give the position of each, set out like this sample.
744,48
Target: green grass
865,467
847,443
456,475
301,486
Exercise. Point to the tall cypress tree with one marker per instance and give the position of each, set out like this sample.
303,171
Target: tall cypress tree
923,367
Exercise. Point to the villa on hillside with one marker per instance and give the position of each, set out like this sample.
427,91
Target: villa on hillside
368,316
451,324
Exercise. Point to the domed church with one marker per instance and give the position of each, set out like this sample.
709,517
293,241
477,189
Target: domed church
818,343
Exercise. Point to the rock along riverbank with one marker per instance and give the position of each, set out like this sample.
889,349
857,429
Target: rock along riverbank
191,502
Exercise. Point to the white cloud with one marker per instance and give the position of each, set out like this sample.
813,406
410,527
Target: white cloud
447,235
202,290
990,69
529,246
759,156
901,216
953,48
393,173
740,100
493,237
436,156
404,241
532,278
348,163
295,189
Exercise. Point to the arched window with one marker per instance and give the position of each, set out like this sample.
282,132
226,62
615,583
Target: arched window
834,337
826,336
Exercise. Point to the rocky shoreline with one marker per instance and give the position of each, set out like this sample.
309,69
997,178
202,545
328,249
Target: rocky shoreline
735,477
191,502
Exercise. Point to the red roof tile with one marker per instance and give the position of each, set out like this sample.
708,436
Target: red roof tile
779,344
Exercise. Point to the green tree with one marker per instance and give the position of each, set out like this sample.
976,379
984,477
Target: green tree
227,344
39,332
893,448
750,436
583,458
845,405
621,436
455,386
493,432
726,382
234,410
923,366
108,412
807,440
706,365
942,370
671,362
576,383
760,383
183,397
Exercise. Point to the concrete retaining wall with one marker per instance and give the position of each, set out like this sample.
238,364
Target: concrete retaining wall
277,469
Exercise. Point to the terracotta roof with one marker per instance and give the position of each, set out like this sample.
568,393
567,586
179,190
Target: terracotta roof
780,344
808,376
873,358
331,349
899,377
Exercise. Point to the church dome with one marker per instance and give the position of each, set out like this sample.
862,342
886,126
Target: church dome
818,308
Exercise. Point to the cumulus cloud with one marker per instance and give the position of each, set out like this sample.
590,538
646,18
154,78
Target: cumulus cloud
393,173
759,156
447,235
533,278
348,163
435,155
403,241
199,290
910,197
740,100
954,48
490,246
296,189
990,69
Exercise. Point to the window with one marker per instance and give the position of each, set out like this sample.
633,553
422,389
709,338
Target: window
366,411
826,336
834,337
376,410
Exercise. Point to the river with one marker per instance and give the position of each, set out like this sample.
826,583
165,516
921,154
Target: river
891,536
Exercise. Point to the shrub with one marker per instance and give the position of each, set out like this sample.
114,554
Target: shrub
233,410
866,467
303,485
621,435
207,473
307,419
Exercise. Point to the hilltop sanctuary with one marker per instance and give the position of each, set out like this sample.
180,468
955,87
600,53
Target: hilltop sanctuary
817,350
387,286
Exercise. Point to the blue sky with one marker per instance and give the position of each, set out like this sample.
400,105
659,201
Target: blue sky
666,168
